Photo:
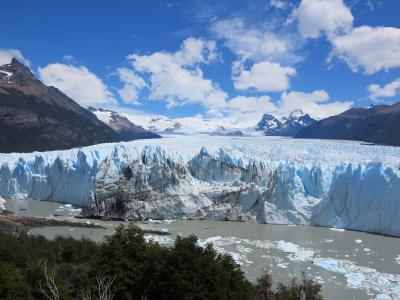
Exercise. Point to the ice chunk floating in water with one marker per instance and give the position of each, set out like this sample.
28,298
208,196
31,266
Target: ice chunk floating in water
287,247
268,180
2,204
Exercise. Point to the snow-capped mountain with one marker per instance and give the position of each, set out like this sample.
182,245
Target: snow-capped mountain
287,126
184,125
119,123
163,124
269,124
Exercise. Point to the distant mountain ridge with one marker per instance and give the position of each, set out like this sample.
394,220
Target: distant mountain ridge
378,124
287,126
119,123
36,117
184,125
163,124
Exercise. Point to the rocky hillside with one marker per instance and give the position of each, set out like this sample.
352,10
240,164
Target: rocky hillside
378,124
119,123
36,117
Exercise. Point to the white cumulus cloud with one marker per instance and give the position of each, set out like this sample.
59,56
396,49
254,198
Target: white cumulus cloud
370,48
255,43
367,48
315,103
77,82
388,90
251,104
132,85
6,55
246,111
265,77
177,77
280,4
263,49
317,17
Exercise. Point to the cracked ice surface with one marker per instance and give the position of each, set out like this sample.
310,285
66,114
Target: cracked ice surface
269,180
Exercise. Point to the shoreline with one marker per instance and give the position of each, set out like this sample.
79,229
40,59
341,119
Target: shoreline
12,223
149,221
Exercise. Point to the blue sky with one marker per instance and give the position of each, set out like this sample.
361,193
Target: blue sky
231,60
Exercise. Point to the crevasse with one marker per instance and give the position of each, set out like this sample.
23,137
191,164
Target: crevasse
269,181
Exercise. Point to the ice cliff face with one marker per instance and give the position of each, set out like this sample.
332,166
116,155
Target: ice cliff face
268,180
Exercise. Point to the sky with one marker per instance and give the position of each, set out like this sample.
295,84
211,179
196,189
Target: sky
230,60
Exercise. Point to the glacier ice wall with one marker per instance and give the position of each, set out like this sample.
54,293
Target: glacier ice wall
343,185
362,197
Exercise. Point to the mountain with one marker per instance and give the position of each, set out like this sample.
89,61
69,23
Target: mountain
269,124
119,123
184,125
163,124
288,126
378,124
36,117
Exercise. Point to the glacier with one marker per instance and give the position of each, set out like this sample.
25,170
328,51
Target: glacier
339,184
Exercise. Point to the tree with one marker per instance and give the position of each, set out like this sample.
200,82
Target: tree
49,289
307,289
123,255
104,289
264,287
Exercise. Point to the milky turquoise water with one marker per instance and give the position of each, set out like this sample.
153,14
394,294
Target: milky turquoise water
349,265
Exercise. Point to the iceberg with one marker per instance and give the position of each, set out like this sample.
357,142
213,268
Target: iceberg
337,184
2,204
287,247
330,265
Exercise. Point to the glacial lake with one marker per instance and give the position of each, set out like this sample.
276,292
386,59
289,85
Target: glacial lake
348,264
